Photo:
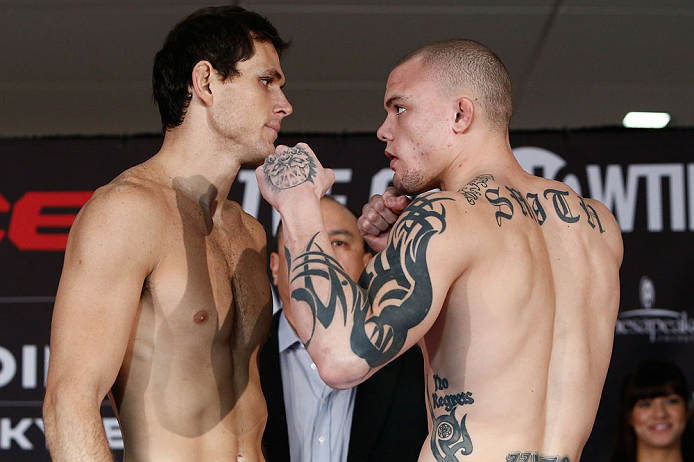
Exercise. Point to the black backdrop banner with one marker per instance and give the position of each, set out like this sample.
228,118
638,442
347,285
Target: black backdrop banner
645,177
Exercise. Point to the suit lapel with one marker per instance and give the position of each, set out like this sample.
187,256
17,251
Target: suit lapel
371,408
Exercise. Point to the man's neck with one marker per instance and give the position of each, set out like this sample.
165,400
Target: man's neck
196,167
484,154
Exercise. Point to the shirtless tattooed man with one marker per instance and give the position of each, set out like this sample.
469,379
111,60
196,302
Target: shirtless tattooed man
164,299
508,282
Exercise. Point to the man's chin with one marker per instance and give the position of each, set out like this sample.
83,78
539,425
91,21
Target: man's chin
259,157
408,188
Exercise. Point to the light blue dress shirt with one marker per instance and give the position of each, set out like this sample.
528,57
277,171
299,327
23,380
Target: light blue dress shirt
319,418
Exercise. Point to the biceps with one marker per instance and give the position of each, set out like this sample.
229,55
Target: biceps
401,286
92,320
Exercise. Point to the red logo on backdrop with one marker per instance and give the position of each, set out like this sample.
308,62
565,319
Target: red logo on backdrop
42,210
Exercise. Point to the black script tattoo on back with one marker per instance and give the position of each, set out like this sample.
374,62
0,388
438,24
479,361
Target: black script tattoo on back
592,215
529,204
473,190
448,435
290,168
505,207
534,457
561,206
398,282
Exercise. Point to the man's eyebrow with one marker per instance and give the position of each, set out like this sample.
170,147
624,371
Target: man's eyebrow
275,74
394,99
343,232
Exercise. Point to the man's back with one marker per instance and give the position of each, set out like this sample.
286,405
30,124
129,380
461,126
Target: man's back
519,352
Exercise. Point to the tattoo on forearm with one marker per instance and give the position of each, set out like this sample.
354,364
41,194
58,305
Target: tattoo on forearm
529,204
290,168
448,435
398,282
316,263
534,457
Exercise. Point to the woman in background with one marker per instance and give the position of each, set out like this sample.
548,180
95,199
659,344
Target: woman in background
654,419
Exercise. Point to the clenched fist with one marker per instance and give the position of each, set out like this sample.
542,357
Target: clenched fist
378,216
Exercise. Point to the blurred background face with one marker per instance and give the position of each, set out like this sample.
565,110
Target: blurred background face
347,245
659,422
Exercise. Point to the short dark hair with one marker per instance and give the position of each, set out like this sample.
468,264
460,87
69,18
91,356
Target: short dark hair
467,64
222,35
650,379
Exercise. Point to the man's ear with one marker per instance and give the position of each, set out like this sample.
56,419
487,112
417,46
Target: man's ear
464,114
366,258
274,266
203,74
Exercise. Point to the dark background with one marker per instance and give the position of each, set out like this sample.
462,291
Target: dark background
645,177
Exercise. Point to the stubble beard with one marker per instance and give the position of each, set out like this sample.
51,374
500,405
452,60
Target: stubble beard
411,182
256,152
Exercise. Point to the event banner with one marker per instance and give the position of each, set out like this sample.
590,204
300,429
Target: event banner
645,177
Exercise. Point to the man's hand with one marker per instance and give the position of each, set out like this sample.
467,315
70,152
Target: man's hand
290,174
378,215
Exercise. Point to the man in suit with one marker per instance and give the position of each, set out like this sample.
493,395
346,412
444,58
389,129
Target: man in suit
382,419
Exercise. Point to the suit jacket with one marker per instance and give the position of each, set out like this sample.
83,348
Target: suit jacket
389,421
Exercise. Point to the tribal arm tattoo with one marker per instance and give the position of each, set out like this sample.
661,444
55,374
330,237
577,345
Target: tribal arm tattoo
397,281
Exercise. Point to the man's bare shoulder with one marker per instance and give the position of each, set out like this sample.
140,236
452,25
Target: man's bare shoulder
129,196
459,230
595,213
612,233
128,208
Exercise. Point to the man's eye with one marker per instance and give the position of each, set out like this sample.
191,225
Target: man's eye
338,243
399,110
266,82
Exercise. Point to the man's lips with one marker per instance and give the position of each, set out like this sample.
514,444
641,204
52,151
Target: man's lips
393,159
274,127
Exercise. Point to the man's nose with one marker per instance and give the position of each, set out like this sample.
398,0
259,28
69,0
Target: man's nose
384,132
284,106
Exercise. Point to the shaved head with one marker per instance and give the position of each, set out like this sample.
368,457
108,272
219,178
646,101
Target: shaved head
464,66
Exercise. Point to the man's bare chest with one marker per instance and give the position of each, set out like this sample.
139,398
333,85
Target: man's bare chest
207,284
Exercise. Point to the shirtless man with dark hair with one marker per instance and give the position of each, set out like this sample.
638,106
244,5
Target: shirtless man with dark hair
508,282
164,299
